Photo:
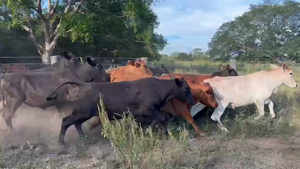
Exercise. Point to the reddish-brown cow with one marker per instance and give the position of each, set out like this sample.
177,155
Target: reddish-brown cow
136,68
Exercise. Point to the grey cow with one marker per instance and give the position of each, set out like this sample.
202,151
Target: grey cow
32,87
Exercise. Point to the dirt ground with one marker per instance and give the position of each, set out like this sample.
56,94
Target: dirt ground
34,145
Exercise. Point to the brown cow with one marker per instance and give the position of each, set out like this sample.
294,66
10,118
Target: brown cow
133,67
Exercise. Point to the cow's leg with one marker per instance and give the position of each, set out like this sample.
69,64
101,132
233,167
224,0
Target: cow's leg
197,108
76,119
260,107
216,116
163,127
79,130
10,110
271,108
181,108
160,119
94,123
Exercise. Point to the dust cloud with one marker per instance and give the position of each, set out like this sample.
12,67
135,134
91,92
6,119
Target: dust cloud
34,125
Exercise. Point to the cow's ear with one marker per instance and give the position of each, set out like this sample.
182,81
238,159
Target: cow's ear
137,64
178,82
228,67
90,61
66,56
284,66
131,62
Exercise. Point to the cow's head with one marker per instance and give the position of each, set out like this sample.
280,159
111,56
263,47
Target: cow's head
70,57
137,67
70,60
286,75
183,91
164,69
206,95
226,71
95,71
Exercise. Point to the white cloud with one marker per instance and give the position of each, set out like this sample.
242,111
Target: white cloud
194,21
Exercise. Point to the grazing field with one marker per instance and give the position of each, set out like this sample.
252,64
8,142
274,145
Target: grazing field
265,143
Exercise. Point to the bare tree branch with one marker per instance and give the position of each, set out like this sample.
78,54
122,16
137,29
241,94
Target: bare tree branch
39,10
49,6
32,37
53,10
68,6
119,40
78,6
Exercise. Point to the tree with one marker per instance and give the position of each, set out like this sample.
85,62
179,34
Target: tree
265,32
107,25
184,56
32,17
197,54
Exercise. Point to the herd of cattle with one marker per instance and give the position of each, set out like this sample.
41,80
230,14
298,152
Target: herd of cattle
75,88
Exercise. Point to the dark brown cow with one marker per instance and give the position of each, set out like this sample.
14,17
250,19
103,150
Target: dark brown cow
144,98
31,88
158,71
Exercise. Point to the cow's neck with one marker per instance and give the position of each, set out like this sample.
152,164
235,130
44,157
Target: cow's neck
274,79
171,90
82,72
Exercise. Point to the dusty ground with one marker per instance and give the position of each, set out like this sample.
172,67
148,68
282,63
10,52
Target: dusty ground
33,145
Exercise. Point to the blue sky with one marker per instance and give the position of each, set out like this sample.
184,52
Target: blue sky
188,24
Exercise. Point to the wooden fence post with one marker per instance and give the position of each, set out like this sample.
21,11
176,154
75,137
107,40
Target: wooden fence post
54,59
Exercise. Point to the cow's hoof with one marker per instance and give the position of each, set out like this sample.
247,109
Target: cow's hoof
201,135
62,144
273,116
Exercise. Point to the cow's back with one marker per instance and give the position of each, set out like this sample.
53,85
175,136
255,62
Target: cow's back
241,90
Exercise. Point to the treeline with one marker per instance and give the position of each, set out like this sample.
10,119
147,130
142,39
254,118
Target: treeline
268,31
196,55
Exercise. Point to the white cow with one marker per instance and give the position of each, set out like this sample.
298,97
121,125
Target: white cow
247,89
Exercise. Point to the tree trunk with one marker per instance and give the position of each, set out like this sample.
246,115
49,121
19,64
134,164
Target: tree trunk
46,56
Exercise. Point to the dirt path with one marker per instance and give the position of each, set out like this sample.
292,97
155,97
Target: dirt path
33,145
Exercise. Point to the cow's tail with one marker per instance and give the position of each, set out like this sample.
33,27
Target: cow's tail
53,95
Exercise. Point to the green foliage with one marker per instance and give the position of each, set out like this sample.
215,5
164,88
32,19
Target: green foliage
265,32
195,55
116,28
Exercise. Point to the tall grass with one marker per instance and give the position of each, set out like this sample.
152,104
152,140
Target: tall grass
139,148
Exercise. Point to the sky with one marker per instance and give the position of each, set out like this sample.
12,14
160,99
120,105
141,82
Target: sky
189,24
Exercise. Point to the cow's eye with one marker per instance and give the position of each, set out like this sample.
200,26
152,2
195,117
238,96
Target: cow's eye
145,66
291,74
98,66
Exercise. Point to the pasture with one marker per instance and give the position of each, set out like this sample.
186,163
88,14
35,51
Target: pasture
266,143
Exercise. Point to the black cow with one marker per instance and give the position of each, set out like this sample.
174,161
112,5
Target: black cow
158,71
66,61
144,98
31,88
